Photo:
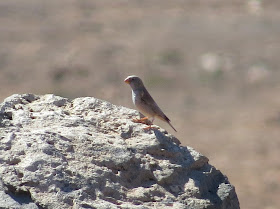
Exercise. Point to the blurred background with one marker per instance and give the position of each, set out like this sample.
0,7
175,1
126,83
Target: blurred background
212,66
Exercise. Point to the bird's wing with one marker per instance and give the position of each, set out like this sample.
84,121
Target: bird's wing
148,100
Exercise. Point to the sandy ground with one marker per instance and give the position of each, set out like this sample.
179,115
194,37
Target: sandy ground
213,67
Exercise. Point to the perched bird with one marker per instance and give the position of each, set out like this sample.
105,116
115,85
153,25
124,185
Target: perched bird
144,101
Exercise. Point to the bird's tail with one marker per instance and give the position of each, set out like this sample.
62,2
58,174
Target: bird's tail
172,126
166,119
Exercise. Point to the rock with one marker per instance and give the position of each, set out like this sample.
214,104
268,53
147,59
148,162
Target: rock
87,153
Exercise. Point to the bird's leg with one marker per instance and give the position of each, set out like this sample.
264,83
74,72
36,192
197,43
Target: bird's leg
141,120
149,127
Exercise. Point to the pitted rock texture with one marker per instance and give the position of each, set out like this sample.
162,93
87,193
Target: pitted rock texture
87,153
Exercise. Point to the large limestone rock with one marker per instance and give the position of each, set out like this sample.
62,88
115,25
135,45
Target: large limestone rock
87,153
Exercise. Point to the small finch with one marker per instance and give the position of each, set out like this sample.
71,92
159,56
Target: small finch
144,101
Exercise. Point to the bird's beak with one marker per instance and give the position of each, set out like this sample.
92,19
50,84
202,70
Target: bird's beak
127,81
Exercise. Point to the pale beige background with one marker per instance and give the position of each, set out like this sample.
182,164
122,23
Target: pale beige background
212,66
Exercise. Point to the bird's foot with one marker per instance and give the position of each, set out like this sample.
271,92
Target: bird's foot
142,120
148,128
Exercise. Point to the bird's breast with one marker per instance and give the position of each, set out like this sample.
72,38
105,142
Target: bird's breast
134,97
138,102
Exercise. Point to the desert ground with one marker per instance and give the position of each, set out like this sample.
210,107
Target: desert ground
212,66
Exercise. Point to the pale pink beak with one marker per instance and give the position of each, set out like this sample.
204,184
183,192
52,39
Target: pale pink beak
127,80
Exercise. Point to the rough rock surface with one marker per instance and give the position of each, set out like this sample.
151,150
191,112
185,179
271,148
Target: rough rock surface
87,153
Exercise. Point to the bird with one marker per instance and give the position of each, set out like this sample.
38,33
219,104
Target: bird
144,102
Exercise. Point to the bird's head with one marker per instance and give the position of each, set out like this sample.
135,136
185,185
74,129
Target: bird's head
134,82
